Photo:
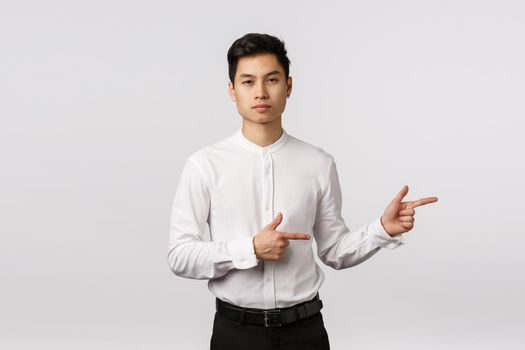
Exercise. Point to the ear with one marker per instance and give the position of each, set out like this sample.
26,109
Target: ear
288,86
231,91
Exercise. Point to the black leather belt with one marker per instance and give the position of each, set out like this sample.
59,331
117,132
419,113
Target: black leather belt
270,317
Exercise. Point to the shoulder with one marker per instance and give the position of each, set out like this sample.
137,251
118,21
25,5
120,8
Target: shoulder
204,157
316,155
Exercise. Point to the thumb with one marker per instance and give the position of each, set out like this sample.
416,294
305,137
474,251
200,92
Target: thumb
278,219
401,194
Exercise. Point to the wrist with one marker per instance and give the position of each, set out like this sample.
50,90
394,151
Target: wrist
384,226
254,247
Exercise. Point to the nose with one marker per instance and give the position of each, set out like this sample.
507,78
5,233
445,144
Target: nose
260,91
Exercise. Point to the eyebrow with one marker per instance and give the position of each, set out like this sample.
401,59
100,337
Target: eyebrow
246,75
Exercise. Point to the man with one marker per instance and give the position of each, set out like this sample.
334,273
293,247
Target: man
264,195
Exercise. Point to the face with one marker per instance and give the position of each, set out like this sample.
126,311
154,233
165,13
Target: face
261,88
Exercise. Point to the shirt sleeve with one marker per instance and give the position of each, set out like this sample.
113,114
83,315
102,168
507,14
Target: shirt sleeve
188,254
337,247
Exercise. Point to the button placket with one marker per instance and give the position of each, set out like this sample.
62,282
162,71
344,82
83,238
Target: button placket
268,186
269,266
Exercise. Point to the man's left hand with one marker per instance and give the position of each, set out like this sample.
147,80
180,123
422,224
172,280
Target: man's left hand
399,216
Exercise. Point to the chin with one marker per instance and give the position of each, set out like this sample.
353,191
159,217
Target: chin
262,119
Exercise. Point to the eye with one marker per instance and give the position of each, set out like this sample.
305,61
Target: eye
246,82
272,80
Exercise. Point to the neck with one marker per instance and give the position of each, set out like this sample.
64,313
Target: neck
262,134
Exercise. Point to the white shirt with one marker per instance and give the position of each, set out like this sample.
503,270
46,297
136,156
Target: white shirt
237,187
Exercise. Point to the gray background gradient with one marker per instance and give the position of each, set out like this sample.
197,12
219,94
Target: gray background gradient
101,102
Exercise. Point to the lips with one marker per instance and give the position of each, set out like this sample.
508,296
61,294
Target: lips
261,107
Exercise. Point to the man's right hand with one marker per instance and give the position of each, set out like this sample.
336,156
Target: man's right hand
270,244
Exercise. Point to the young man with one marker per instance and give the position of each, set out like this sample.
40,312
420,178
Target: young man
265,194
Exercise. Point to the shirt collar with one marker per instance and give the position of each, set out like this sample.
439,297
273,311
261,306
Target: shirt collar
274,147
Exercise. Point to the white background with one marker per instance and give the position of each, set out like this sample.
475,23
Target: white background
101,102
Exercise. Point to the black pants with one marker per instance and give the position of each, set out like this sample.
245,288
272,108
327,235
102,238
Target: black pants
306,334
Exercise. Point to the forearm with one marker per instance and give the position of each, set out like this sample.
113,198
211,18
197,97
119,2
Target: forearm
206,260
353,248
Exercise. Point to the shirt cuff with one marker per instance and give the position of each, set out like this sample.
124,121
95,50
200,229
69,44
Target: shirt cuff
243,253
381,238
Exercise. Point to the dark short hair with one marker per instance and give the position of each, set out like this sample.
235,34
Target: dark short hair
256,43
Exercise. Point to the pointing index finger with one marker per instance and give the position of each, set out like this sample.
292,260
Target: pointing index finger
422,201
288,235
